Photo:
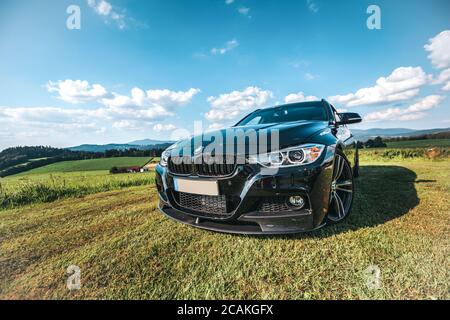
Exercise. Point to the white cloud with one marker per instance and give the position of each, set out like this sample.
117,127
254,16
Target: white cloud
67,126
229,106
147,105
105,9
46,125
312,6
402,84
413,112
244,11
159,127
124,124
439,50
444,78
301,63
47,115
299,97
140,105
132,125
426,103
168,97
216,126
76,91
310,76
388,114
159,97
229,1
230,45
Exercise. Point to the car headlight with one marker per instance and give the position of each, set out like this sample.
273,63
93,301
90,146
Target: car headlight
164,158
295,156
166,154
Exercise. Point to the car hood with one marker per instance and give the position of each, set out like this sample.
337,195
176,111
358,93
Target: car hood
289,133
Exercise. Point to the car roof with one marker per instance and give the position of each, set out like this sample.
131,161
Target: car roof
296,104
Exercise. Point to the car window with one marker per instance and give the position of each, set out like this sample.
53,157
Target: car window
255,120
337,117
286,114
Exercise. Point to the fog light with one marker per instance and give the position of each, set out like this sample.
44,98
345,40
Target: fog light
297,201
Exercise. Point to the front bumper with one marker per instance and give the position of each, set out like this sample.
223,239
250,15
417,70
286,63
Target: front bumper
250,187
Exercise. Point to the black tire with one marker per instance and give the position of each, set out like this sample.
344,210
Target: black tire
342,189
356,162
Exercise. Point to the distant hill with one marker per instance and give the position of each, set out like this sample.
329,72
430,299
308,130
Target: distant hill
90,164
364,135
103,147
147,142
115,146
19,159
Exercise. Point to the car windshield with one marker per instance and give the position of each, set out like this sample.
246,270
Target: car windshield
303,111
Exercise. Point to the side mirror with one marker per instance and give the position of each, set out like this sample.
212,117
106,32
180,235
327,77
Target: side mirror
349,118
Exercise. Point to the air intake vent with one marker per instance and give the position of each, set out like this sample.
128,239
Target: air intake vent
214,205
274,204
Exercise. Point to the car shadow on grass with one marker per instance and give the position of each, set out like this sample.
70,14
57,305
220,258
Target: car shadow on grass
382,193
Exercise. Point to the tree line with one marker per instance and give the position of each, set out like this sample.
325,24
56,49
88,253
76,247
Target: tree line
378,142
437,135
371,143
19,159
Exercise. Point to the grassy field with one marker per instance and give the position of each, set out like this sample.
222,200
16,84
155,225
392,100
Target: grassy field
126,249
419,143
89,165
22,189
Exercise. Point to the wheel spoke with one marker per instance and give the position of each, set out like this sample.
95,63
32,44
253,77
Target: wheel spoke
337,160
345,190
341,189
346,186
339,167
340,205
333,200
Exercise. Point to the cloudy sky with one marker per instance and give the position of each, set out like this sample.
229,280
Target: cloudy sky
149,69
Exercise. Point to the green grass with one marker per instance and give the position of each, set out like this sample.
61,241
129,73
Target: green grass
19,190
89,165
429,143
407,155
126,249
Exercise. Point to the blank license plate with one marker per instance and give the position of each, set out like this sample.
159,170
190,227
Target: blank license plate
207,188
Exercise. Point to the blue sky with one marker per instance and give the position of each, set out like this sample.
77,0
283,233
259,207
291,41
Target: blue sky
149,69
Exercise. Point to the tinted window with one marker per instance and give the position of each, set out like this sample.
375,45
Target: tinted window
286,114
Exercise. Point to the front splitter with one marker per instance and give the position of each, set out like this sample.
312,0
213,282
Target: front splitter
225,227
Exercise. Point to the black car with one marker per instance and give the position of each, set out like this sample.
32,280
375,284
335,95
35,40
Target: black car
284,170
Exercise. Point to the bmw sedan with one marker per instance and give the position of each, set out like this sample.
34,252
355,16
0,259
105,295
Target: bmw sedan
279,170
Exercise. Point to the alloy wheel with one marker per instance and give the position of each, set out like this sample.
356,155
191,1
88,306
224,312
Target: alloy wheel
341,194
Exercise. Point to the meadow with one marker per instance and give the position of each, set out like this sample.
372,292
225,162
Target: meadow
22,189
89,165
126,249
426,143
